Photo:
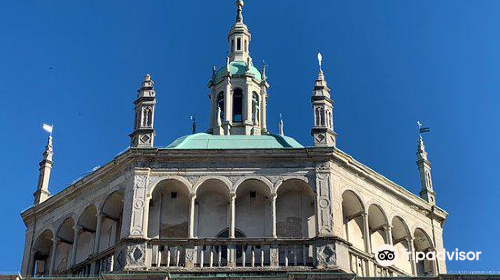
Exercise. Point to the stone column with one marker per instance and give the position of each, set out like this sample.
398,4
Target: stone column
113,233
366,233
97,235
263,111
388,234
228,104
52,266
273,213
191,214
232,209
246,113
412,252
76,236
324,223
30,268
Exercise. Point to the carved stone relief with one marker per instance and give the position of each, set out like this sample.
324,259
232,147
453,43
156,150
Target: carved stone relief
325,216
139,198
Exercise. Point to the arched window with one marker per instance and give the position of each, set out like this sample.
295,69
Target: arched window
238,44
150,117
255,108
322,116
328,118
147,117
246,45
232,45
220,103
237,105
317,116
331,119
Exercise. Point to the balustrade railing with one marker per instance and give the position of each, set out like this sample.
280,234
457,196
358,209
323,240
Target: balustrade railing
365,265
208,253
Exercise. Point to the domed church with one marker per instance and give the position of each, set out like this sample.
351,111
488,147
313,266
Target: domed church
236,200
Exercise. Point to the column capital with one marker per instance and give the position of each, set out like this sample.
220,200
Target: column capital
78,228
192,195
387,227
56,239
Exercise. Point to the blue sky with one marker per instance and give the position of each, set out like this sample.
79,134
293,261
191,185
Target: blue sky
389,63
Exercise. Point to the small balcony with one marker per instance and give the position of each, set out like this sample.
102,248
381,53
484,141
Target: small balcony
245,253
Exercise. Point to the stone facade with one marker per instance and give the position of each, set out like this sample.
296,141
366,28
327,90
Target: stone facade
277,207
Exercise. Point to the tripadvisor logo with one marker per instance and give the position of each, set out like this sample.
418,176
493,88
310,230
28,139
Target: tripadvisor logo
386,255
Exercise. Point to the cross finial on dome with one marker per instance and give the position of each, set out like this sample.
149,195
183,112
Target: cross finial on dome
239,16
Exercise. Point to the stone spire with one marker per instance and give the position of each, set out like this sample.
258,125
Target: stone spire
239,37
424,168
239,15
238,91
322,132
144,133
42,192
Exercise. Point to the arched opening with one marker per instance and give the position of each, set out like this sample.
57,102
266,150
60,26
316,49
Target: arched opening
238,44
112,211
169,210
295,209
353,210
295,218
253,208
255,108
377,223
237,105
212,208
400,237
221,105
65,234
88,224
422,243
317,117
322,116
42,249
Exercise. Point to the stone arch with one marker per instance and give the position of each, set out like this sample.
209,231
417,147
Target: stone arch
169,209
87,225
353,209
280,182
65,236
401,236
358,195
237,102
111,212
261,179
253,213
378,224
154,183
42,252
212,206
295,209
423,243
204,179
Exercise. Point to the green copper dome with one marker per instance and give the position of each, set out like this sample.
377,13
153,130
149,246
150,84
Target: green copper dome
238,68
223,142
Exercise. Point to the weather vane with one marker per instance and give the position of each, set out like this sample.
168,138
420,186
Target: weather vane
422,129
320,59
